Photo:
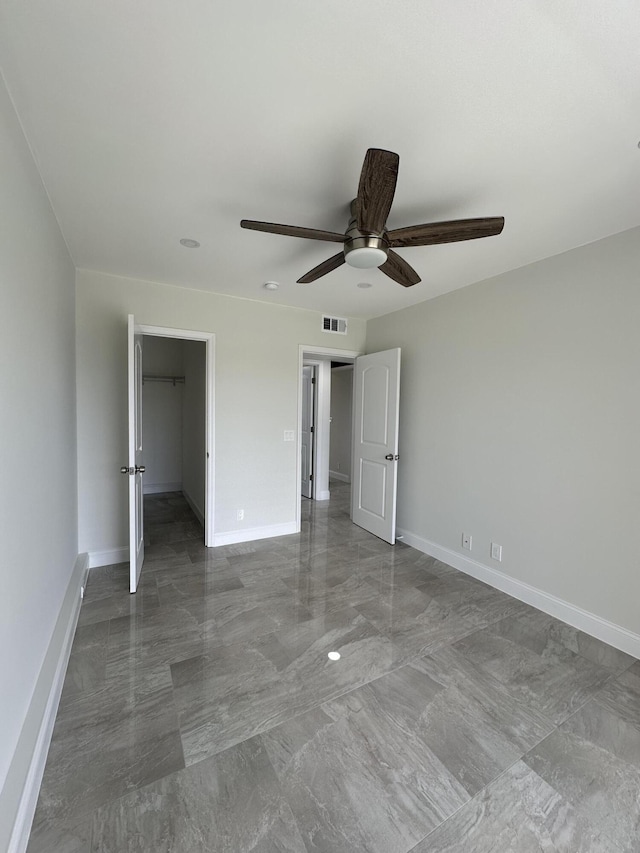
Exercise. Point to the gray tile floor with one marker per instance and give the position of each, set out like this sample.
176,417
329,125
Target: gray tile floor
203,714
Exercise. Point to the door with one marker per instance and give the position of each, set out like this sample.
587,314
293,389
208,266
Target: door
307,430
135,469
375,443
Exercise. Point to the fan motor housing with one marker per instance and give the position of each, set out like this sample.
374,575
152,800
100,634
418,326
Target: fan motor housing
364,251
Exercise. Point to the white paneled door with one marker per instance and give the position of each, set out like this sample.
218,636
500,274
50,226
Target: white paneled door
375,443
135,469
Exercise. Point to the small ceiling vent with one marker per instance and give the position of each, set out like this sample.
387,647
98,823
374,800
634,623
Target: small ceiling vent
337,325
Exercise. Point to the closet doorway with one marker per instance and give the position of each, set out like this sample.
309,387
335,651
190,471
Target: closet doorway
172,367
173,419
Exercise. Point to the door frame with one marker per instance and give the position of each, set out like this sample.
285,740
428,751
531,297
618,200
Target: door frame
209,339
309,352
314,417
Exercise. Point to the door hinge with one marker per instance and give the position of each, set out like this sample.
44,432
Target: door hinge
313,380
312,429
310,477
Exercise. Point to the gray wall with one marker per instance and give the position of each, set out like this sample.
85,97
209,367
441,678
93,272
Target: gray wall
38,487
162,404
520,423
194,419
341,418
256,398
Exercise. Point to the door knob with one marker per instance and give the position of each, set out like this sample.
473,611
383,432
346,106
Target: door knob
391,458
126,470
139,469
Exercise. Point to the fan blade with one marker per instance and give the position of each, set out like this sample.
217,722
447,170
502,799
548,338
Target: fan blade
293,231
322,269
446,232
376,189
399,270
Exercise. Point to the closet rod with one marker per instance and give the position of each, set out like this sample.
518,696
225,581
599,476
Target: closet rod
173,379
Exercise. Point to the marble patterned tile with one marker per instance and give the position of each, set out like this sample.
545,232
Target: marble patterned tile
228,804
49,834
108,596
609,729
622,695
162,559
394,576
166,635
415,622
190,584
593,761
239,691
547,636
552,678
203,713
478,604
320,596
105,743
107,580
355,781
255,609
161,532
475,726
517,813
87,665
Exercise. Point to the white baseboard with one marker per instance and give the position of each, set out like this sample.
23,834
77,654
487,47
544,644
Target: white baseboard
615,635
323,495
232,537
108,557
337,475
194,506
24,778
159,488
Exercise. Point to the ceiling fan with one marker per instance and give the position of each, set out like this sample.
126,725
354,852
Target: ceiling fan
366,242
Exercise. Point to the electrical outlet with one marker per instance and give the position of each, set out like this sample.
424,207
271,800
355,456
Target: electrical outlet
496,552
240,515
466,541
289,435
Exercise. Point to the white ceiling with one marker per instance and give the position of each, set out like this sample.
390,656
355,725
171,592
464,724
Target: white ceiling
157,119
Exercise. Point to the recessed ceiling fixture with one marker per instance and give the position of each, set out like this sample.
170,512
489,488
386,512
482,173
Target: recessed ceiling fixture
190,244
364,284
334,655
271,285
367,243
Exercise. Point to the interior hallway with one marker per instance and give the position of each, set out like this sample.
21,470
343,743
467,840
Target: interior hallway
203,714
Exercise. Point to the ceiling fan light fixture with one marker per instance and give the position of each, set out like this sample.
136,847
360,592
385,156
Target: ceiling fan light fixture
365,258
367,243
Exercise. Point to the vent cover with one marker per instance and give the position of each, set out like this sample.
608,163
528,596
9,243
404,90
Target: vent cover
337,325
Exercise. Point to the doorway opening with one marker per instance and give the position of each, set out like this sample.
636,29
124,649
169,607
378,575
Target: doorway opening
374,435
325,448
136,468
173,427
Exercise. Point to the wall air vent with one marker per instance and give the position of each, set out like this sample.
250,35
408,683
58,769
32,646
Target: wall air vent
337,325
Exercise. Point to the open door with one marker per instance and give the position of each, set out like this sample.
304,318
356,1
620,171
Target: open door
135,468
375,443
306,431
